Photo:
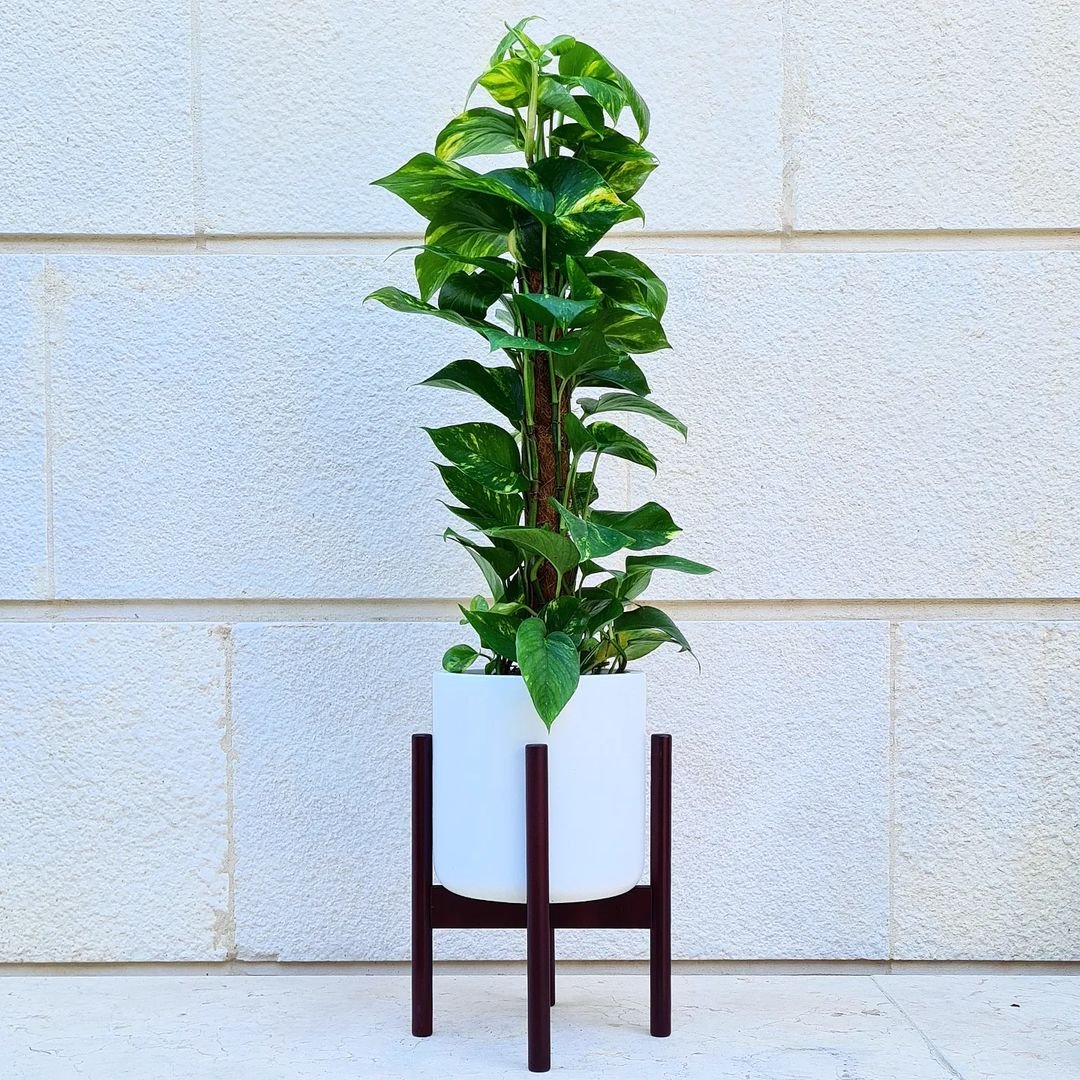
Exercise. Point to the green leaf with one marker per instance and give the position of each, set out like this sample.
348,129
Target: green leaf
470,293
509,38
632,332
496,564
458,657
426,183
582,59
496,508
555,96
581,207
553,546
642,642
650,618
622,162
480,131
577,434
611,439
496,336
509,82
593,541
648,526
633,585
397,300
585,491
613,270
550,667
620,372
496,630
625,586
484,452
602,610
607,95
471,239
666,562
581,287
500,387
566,613
584,203
502,339
631,403
551,310
532,50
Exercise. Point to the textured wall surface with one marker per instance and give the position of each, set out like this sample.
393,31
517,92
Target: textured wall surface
222,587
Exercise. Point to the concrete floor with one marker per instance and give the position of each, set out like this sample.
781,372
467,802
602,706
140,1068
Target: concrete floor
726,1027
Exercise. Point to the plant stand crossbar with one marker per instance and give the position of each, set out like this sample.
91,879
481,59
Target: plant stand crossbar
645,907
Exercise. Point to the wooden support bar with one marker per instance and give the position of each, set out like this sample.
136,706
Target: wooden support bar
552,963
538,907
421,887
630,911
660,889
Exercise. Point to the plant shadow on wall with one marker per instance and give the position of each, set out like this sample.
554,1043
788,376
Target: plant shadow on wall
507,253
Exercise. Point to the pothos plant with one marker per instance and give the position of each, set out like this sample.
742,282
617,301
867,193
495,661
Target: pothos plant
509,254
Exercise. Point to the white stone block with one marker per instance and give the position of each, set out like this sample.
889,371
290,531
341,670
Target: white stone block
324,715
924,116
304,105
987,790
113,808
23,559
871,425
245,426
95,107
780,754
780,757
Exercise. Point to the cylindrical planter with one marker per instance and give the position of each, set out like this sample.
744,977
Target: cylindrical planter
596,782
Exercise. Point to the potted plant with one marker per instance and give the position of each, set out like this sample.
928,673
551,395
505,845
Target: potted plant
509,253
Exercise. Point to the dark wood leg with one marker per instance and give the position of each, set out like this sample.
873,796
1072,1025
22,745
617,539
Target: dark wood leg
421,886
660,887
538,907
552,963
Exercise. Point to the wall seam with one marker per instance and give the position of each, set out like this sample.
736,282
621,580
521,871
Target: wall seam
198,182
49,322
790,98
228,746
684,243
894,630
218,610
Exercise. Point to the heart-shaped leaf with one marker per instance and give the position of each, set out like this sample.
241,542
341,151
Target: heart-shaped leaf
500,387
484,452
593,541
552,546
650,618
666,562
550,667
458,657
632,403
480,131
648,526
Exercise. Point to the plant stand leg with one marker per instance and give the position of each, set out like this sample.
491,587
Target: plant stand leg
421,886
660,889
538,907
552,964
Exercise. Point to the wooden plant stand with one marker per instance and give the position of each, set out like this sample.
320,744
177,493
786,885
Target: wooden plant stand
644,907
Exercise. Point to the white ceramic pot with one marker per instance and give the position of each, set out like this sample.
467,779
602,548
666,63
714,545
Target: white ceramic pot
596,786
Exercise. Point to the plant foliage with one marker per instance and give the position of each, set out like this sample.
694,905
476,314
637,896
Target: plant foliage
510,254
